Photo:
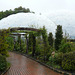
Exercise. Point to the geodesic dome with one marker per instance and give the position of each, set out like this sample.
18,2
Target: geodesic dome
27,20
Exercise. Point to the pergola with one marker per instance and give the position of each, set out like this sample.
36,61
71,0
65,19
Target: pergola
24,31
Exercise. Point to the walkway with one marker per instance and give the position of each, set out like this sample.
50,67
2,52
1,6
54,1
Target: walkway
21,65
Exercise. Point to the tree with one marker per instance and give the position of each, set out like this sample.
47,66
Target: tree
50,39
32,43
46,44
6,13
21,9
18,9
65,46
58,36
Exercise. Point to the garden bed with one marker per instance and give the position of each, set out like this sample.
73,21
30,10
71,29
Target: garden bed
3,72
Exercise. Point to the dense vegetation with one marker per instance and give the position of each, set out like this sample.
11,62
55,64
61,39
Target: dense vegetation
42,46
58,37
3,50
6,45
3,63
56,52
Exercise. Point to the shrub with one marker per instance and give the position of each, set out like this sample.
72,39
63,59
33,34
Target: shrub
3,42
23,46
17,46
72,45
3,63
10,42
51,59
68,62
57,59
66,47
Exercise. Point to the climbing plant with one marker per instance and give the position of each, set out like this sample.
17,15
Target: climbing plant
10,42
46,44
30,43
3,42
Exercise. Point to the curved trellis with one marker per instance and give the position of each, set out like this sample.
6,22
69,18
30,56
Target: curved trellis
23,28
33,33
27,31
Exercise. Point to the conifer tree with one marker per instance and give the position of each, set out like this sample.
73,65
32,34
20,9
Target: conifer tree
58,36
50,39
45,43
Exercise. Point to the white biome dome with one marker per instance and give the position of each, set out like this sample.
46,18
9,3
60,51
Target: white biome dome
27,20
50,20
66,19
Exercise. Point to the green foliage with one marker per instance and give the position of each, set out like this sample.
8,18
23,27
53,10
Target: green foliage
16,10
3,42
10,42
44,35
72,45
39,47
68,62
17,46
30,53
21,47
58,37
20,9
46,44
30,43
34,44
57,59
3,63
50,39
51,59
65,48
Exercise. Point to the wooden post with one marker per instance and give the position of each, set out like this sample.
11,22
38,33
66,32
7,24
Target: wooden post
26,45
34,45
14,43
19,40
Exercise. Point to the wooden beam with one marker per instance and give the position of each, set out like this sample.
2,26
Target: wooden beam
22,28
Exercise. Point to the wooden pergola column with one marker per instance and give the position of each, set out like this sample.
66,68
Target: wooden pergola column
19,40
26,44
34,45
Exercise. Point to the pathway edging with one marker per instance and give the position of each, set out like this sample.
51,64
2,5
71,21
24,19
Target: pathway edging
5,71
56,70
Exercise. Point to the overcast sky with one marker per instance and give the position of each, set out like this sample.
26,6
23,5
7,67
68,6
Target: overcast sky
39,6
